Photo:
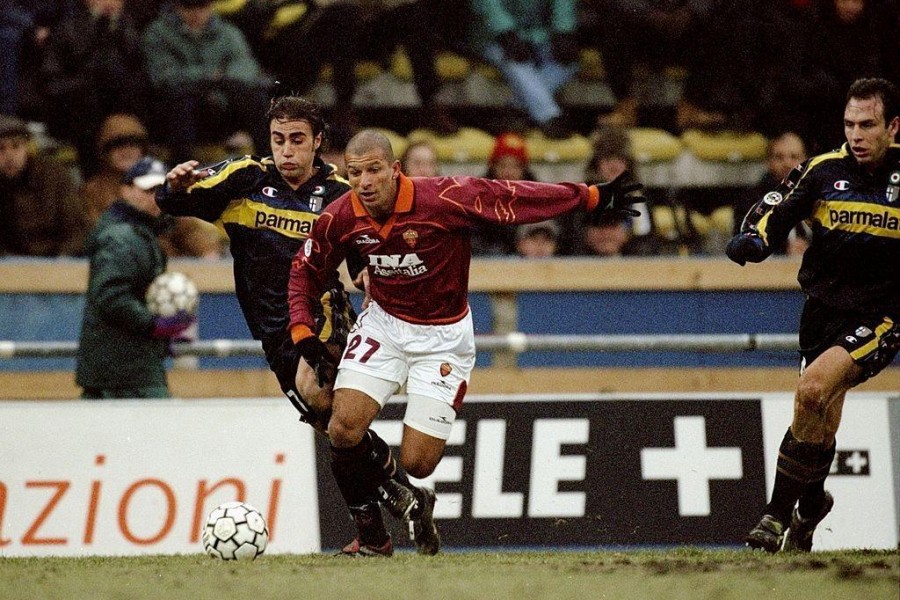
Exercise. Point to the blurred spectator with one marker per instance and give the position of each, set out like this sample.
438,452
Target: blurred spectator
332,149
122,142
24,29
783,153
93,67
40,214
420,160
701,35
508,160
813,52
533,44
122,345
612,156
295,39
845,43
206,82
409,23
537,240
608,236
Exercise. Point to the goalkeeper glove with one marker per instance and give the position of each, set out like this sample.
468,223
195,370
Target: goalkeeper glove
616,197
318,357
171,326
746,247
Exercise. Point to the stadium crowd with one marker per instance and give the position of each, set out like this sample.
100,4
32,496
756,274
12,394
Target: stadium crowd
87,87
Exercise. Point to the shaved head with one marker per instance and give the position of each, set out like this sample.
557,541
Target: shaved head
369,140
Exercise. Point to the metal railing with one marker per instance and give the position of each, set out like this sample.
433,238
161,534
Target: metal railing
515,342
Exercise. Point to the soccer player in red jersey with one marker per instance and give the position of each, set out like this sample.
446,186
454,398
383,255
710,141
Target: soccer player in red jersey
413,235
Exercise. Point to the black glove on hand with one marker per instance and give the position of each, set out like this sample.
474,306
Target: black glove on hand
746,247
564,47
317,356
616,197
515,48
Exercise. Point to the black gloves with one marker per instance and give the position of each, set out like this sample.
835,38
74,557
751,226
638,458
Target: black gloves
317,356
746,247
564,47
515,48
616,197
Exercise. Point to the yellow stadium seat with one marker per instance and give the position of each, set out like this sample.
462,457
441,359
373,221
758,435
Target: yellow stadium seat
653,145
591,65
451,66
575,148
725,146
466,145
401,67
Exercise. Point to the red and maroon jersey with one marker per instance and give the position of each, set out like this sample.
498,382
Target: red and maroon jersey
418,259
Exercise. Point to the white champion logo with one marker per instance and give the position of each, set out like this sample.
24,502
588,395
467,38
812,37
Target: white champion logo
365,239
269,191
842,185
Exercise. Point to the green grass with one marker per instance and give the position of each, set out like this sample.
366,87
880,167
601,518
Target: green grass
683,573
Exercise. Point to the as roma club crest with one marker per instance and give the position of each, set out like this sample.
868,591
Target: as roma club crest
445,369
411,238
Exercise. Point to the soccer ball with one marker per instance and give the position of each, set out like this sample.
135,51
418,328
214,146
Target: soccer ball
171,292
235,531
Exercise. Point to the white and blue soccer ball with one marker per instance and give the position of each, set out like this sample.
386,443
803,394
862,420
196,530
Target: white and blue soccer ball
171,292
235,531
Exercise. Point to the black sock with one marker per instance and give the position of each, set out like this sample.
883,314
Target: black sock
358,476
813,498
797,462
370,524
392,469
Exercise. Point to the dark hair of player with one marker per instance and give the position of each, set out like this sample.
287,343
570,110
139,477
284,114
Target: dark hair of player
295,108
878,88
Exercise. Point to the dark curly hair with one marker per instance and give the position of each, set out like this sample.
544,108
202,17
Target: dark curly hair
295,108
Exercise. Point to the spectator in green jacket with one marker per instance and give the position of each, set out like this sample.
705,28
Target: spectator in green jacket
206,81
123,346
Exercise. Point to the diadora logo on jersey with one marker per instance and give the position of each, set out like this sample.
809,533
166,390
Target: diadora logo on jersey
842,185
365,239
387,265
269,191
308,247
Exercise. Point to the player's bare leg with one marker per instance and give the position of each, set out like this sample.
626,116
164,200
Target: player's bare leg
806,454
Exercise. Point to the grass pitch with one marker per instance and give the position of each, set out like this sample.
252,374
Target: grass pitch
633,575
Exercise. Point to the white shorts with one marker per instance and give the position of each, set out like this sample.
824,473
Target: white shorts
434,361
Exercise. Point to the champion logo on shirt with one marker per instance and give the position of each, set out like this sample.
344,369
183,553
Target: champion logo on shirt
842,185
269,191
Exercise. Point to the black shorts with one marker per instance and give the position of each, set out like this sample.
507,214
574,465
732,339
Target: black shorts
872,339
333,323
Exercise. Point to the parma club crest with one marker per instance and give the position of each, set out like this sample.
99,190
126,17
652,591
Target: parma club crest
893,188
